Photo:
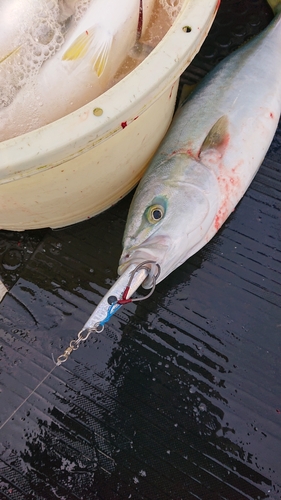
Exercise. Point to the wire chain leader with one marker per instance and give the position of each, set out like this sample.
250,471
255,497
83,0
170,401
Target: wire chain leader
99,327
75,343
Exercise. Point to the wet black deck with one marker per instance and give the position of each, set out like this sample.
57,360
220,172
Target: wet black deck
180,397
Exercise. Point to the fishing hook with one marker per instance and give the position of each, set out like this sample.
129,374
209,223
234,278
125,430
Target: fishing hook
142,265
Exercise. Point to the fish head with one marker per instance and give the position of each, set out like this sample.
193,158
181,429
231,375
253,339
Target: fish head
170,214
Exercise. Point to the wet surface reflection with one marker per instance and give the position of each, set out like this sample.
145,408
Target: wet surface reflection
179,397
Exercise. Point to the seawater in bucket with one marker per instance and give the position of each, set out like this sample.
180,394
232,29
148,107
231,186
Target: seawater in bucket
81,164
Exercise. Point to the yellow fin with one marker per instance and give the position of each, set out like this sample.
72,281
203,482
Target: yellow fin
78,48
185,93
95,43
275,5
13,52
100,60
217,137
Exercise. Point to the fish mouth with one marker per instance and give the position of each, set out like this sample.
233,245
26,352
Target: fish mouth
145,259
151,255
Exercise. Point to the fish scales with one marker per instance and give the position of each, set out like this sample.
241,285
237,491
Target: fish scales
211,153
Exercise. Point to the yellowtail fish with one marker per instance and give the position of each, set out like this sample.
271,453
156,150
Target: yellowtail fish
31,31
82,68
209,157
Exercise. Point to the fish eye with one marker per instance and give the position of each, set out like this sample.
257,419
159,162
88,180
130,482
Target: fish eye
155,213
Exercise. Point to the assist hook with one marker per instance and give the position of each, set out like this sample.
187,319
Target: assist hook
142,265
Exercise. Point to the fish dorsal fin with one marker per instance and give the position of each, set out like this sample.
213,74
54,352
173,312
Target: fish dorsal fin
216,140
186,92
275,5
94,44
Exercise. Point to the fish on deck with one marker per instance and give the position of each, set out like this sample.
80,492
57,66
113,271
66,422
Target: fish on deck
82,68
208,158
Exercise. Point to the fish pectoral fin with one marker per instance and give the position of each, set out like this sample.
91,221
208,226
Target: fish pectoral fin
216,140
78,49
101,56
12,53
95,43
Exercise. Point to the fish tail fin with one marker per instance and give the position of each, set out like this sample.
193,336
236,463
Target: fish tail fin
94,43
12,53
275,5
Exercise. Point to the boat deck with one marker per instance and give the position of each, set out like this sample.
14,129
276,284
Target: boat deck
179,398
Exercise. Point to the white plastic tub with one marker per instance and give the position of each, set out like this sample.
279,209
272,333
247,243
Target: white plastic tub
83,163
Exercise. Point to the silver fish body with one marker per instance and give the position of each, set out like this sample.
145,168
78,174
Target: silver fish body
209,157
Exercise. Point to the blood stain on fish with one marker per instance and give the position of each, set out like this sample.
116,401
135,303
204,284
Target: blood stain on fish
221,216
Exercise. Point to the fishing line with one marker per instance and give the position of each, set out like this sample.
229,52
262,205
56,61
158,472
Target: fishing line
26,399
74,344
96,328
